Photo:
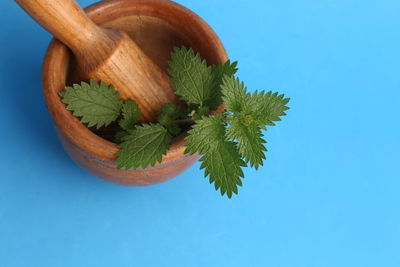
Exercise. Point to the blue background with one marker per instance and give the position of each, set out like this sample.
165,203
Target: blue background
328,194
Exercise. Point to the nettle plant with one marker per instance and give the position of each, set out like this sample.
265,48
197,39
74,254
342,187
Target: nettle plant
226,141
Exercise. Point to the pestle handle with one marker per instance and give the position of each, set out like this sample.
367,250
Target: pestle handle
104,54
66,20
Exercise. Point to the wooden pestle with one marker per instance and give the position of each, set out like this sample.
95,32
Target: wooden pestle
104,54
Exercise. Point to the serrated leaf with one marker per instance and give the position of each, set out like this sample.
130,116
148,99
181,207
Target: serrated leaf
262,107
234,94
250,113
205,133
269,107
223,165
143,147
219,71
220,158
97,104
191,78
130,114
249,139
226,69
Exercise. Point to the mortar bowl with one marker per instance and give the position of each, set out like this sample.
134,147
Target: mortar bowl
156,26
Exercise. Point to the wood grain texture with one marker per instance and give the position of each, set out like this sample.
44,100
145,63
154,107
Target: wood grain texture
156,26
105,54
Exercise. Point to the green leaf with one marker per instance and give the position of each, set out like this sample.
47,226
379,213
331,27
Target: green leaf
191,78
169,123
234,94
164,119
97,104
200,112
249,138
220,158
262,107
249,114
174,129
219,71
205,133
223,165
120,135
268,107
143,147
168,114
130,115
171,110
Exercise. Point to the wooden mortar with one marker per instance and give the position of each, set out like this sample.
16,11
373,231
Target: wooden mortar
156,26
